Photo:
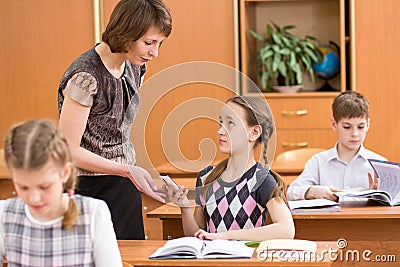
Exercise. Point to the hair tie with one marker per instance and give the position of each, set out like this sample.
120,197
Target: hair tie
70,192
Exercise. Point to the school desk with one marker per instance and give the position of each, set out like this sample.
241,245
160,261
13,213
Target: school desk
357,220
136,252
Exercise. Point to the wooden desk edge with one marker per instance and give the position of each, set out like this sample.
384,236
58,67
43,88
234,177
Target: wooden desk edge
136,252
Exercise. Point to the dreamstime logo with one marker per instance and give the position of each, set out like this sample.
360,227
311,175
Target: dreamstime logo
340,253
225,82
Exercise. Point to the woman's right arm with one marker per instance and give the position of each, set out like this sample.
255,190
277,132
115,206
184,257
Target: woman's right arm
73,120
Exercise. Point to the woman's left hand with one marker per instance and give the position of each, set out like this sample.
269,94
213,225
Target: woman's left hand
144,183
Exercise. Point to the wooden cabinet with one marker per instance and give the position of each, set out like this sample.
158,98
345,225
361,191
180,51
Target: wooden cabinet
302,119
376,70
302,122
325,20
36,48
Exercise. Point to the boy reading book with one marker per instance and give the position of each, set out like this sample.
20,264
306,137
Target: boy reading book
345,166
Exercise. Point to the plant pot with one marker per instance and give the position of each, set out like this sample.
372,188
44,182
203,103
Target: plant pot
287,89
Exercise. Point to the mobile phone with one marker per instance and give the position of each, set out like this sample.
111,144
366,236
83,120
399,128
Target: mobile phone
168,181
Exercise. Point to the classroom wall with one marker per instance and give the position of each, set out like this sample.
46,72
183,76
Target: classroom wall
38,46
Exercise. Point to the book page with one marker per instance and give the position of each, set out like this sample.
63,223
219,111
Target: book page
226,249
295,204
389,176
184,247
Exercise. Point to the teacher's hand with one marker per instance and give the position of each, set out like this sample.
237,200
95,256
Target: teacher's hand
144,183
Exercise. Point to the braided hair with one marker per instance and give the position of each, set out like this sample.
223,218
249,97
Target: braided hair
30,145
257,113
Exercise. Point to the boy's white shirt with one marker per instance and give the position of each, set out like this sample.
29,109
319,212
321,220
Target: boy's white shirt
105,247
326,169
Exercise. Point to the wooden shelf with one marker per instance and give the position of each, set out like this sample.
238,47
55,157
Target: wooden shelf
322,19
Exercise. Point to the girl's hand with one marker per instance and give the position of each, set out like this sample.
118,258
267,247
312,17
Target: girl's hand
201,234
144,183
178,197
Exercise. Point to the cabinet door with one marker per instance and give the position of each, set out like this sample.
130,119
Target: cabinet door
376,43
301,113
294,138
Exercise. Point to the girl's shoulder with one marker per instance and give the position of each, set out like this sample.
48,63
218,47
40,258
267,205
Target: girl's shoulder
205,171
89,201
263,175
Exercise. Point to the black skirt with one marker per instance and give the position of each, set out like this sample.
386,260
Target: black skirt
123,199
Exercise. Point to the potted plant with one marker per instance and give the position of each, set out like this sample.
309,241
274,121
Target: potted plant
284,57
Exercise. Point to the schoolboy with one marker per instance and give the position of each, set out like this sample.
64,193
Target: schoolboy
344,166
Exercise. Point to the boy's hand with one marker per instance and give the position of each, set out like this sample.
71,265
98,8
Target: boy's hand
319,191
373,182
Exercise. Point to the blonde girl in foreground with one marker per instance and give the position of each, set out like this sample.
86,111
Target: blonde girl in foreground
46,225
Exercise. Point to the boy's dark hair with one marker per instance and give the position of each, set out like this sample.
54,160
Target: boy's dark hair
131,19
350,104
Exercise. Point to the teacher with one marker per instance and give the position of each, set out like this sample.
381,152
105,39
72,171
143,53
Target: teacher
97,102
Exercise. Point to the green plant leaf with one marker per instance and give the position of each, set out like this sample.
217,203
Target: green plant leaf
309,37
276,39
292,58
265,53
311,72
284,51
275,63
286,54
270,30
312,54
264,80
282,69
306,62
288,27
286,42
256,35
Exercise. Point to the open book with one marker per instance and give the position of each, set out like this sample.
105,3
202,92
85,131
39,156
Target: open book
311,203
192,247
389,184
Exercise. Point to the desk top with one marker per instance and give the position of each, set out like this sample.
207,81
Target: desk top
362,209
136,252
293,168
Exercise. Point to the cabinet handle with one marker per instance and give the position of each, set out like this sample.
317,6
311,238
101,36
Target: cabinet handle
294,112
299,144
145,208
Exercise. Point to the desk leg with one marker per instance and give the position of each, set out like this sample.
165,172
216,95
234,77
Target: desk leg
172,228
